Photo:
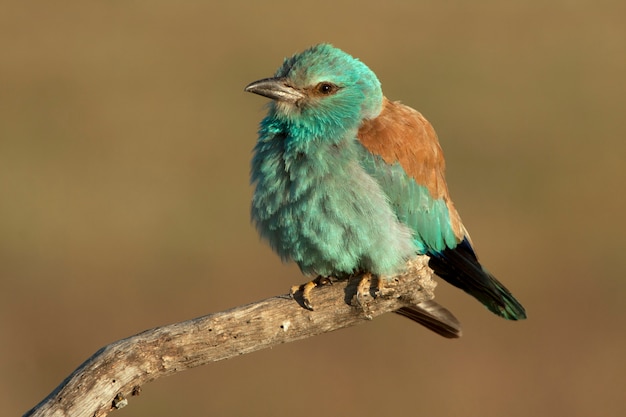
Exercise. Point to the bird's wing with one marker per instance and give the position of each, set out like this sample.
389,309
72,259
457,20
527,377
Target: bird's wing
403,154
401,151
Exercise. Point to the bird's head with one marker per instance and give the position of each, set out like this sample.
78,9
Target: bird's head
322,88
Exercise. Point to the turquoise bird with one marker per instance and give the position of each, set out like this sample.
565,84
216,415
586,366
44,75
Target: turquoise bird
347,181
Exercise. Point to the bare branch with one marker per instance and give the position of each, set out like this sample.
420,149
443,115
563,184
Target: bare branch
116,372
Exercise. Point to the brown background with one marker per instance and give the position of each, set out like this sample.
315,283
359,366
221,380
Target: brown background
125,139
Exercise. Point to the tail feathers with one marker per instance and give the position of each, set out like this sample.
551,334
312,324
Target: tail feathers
434,317
460,267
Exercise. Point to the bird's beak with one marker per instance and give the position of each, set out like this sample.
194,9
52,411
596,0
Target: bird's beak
276,89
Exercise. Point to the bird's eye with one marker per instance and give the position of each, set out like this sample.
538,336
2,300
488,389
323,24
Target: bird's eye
326,88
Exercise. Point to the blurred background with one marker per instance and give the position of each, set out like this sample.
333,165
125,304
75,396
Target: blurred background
125,140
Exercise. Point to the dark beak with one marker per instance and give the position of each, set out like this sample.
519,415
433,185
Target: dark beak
276,89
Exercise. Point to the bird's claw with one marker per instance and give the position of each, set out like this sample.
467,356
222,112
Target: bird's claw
365,293
363,290
306,294
307,288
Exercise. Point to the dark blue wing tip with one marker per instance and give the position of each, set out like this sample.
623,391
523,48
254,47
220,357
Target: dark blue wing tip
460,267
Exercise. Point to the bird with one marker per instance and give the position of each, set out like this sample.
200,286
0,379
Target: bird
347,181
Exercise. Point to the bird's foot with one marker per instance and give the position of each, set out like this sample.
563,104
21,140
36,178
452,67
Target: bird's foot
368,288
307,288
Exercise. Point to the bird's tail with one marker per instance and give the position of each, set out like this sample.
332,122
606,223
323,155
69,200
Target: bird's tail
434,317
460,267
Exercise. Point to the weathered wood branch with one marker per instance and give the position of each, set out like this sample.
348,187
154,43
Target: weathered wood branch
116,372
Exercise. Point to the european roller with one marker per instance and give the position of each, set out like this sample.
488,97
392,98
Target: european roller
347,181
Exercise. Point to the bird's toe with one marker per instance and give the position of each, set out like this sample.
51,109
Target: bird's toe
363,294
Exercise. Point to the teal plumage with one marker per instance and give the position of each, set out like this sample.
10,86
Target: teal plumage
318,207
347,181
428,217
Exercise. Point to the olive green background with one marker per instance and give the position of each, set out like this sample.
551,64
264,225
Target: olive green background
125,139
